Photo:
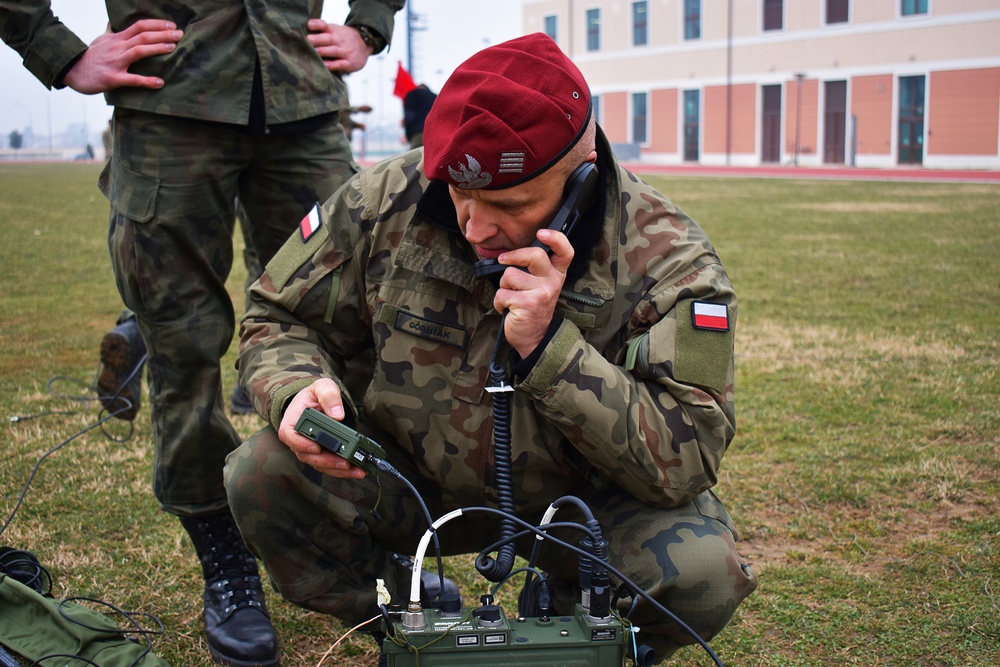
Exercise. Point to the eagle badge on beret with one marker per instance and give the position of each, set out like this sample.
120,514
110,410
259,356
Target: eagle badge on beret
470,177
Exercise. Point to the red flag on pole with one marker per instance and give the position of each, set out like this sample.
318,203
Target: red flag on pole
404,83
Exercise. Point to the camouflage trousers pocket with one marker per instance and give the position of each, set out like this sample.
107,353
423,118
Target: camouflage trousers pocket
131,194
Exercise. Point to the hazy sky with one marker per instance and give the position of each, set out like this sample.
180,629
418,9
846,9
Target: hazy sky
454,29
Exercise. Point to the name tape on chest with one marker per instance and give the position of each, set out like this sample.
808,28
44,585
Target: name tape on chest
435,331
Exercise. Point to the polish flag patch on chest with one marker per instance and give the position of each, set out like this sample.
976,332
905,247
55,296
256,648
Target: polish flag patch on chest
710,316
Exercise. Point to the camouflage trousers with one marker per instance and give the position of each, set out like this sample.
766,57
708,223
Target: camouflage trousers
324,541
173,184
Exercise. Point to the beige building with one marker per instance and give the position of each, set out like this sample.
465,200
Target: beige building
870,83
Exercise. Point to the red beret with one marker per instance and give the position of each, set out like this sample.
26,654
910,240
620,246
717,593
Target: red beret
505,115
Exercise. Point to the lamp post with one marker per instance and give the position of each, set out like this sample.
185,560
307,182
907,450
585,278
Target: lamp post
798,112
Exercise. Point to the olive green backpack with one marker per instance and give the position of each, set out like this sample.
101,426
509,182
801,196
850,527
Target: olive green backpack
33,626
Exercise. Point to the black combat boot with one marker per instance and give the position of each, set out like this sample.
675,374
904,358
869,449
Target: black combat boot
119,376
237,625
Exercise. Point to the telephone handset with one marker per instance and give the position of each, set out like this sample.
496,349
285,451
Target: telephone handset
576,197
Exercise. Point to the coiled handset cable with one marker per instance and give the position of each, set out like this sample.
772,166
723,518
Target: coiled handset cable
497,569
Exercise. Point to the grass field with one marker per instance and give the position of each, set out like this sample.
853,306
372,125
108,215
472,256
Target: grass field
865,476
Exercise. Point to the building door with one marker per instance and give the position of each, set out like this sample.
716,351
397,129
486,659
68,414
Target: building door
770,116
692,114
911,120
835,122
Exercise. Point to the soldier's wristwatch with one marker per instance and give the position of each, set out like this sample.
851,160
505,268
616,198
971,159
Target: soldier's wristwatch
371,38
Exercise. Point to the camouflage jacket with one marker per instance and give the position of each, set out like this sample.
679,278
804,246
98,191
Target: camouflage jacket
209,76
627,390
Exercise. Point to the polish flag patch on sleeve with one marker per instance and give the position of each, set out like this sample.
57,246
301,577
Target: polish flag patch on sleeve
709,316
310,224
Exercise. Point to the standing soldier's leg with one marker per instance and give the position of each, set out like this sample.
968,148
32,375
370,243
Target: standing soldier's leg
288,175
172,185
239,402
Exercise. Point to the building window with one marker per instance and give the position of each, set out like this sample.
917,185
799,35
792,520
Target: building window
774,11
836,11
914,7
692,19
593,29
770,122
835,122
639,118
911,119
595,105
550,27
692,113
640,27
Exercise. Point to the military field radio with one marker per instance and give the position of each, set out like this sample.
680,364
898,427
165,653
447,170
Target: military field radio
452,635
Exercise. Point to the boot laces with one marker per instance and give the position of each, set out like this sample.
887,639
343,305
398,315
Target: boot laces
233,568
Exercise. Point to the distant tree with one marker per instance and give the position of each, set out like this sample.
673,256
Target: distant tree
16,139
90,151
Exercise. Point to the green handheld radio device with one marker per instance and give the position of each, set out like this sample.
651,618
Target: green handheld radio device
340,439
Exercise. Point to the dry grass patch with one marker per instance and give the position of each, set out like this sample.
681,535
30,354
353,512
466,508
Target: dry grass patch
774,346
865,540
922,208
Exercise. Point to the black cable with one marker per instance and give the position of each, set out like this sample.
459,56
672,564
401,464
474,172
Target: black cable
127,615
122,404
594,530
525,533
528,598
514,573
23,418
619,593
34,470
24,567
88,389
139,630
387,467
490,568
